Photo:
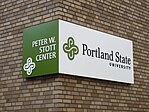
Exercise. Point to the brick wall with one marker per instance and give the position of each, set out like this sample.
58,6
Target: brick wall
56,93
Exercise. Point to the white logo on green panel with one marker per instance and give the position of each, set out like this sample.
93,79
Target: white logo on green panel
29,66
70,48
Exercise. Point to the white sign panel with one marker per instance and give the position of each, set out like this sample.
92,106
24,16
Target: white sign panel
90,53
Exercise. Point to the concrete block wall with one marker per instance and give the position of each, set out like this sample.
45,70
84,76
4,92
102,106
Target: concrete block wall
66,93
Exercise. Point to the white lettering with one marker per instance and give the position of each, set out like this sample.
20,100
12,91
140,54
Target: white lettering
40,42
42,57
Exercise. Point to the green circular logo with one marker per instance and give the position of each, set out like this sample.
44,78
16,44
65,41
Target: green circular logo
70,48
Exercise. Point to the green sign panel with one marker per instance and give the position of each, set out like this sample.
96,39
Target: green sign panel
40,49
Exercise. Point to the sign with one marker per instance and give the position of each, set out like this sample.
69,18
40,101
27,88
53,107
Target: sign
40,50
63,47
